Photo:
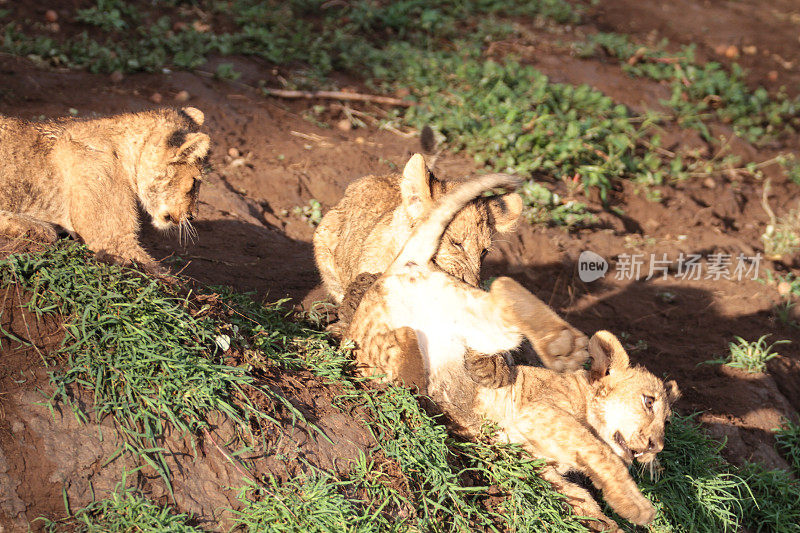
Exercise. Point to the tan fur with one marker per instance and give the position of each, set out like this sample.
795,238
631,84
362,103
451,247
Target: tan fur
461,333
367,228
85,176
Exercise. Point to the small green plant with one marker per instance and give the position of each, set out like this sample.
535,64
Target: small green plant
311,213
781,238
787,438
750,356
225,71
546,207
109,15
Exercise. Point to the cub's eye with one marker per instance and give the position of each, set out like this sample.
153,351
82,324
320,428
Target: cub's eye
457,244
483,253
648,402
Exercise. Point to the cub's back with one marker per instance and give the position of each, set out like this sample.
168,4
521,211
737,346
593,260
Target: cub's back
353,234
27,176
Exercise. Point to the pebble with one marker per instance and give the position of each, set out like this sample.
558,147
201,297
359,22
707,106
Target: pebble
344,125
750,50
233,152
784,288
709,183
182,96
116,76
50,15
772,75
732,52
156,98
359,140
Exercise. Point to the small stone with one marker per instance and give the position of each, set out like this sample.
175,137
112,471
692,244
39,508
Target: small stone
750,50
732,52
344,125
784,288
50,15
360,140
233,152
709,183
200,27
772,75
116,76
156,98
182,96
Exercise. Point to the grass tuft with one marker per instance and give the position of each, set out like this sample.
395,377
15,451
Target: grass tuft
750,356
123,512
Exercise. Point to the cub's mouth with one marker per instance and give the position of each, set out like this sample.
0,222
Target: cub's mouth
627,453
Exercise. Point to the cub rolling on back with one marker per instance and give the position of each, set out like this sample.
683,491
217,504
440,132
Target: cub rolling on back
421,326
86,176
366,229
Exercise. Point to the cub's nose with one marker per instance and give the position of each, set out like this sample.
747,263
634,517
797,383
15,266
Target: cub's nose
655,446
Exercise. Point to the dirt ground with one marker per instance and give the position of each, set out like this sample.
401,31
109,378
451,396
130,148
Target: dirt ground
267,159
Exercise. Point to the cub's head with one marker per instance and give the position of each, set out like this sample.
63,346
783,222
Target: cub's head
630,405
176,165
469,236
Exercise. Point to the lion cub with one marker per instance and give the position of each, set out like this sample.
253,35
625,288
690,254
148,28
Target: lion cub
366,229
419,325
86,176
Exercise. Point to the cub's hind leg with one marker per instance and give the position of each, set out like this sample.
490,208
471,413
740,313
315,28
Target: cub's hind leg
18,225
559,345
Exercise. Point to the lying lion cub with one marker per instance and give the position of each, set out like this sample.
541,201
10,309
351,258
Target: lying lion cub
422,326
366,229
87,175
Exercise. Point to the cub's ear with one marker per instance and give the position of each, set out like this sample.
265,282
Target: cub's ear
608,355
505,211
673,393
195,114
415,187
193,148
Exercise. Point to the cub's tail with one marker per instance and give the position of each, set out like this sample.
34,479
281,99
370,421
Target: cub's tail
424,241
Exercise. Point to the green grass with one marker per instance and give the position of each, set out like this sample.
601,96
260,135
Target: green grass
125,511
417,477
508,116
147,358
703,92
787,438
750,356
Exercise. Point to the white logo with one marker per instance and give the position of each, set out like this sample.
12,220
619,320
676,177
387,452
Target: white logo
591,266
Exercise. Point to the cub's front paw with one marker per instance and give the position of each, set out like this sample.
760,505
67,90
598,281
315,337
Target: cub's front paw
637,510
563,350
